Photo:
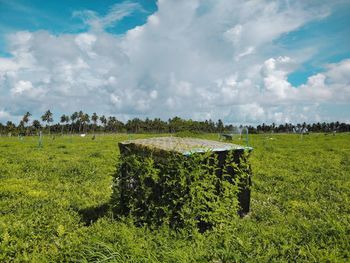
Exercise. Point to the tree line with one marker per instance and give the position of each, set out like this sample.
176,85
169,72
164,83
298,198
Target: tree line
80,122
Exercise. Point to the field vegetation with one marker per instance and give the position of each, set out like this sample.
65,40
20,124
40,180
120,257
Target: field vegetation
55,205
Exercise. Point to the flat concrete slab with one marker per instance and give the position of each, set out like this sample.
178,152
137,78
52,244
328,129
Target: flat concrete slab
185,146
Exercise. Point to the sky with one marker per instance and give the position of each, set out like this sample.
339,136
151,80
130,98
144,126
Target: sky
245,62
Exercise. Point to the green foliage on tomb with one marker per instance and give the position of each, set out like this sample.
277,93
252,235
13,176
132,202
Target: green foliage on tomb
200,190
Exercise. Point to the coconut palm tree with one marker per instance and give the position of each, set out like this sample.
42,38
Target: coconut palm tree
73,117
47,117
103,120
67,121
64,120
94,118
85,118
25,120
80,117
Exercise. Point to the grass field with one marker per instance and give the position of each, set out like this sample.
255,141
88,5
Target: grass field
53,205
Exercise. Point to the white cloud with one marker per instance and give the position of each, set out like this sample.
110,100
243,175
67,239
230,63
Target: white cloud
5,116
21,87
116,13
252,111
233,34
153,20
339,72
247,51
85,42
153,94
7,65
212,63
275,78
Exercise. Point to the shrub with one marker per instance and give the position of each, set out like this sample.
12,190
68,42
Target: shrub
202,189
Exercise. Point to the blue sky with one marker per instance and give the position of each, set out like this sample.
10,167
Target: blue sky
331,35
58,16
241,61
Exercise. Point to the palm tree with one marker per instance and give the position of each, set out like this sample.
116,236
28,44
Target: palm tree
220,126
85,118
103,120
112,123
73,117
64,120
94,118
80,117
21,128
25,120
133,125
47,117
67,121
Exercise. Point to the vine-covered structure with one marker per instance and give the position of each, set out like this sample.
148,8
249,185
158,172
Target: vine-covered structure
181,181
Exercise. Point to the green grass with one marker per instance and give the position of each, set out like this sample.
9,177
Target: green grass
53,205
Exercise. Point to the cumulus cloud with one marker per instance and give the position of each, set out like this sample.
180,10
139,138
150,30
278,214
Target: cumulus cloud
217,59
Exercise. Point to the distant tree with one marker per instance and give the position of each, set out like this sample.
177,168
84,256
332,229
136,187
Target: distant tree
25,120
10,127
111,123
47,117
73,118
64,119
36,125
2,128
21,127
159,125
25,117
94,118
85,118
220,126
80,118
132,125
103,120
114,125
176,124
273,127
67,122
